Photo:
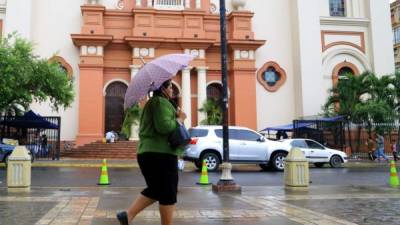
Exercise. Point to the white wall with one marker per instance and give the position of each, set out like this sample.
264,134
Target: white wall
18,17
307,58
381,37
274,108
52,26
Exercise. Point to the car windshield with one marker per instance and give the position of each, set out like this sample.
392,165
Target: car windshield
198,132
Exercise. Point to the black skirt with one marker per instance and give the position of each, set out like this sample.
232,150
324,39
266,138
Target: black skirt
160,172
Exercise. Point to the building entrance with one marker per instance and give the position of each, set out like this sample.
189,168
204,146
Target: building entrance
115,94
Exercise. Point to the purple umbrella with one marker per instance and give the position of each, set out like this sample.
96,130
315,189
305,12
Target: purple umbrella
153,74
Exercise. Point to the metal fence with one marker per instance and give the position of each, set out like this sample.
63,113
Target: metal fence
329,133
40,135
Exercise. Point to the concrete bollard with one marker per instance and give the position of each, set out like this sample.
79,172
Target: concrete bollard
19,170
296,173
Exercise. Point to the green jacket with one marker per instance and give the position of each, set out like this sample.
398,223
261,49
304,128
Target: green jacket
157,121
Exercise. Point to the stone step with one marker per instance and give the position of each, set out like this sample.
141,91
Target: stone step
98,149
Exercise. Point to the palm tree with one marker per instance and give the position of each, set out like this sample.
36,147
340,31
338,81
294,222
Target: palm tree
345,97
132,117
212,107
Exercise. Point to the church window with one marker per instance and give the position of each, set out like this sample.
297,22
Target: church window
337,8
271,76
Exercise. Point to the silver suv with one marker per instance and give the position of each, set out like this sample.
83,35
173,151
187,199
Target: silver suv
245,146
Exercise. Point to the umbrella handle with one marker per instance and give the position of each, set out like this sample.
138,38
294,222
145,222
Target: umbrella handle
144,62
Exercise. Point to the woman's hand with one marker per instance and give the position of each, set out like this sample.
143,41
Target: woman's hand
180,115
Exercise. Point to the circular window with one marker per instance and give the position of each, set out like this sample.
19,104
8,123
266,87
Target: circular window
271,76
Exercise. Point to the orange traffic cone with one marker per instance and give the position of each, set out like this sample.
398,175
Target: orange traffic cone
104,174
204,175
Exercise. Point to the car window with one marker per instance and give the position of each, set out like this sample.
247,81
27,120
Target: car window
299,144
198,132
313,144
218,132
246,135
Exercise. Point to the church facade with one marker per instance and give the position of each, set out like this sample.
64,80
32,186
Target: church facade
284,55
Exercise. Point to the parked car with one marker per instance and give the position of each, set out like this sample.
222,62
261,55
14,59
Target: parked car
6,150
245,146
316,153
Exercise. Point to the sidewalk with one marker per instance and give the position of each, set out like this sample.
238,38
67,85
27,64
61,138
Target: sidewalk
132,163
321,205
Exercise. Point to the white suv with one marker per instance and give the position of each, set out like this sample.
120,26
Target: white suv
245,146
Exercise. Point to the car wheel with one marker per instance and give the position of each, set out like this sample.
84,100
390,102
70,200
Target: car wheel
264,167
335,161
319,165
278,161
198,164
212,161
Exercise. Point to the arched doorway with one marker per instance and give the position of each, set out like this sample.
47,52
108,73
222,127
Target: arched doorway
115,94
214,90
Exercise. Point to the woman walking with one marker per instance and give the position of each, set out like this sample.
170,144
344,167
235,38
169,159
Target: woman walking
157,159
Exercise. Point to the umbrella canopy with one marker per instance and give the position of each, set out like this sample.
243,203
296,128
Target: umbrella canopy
29,120
153,74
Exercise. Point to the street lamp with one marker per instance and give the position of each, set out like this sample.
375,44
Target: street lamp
226,182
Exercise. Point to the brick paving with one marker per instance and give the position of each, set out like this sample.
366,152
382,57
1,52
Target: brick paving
321,205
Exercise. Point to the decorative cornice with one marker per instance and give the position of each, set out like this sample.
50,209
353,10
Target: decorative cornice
246,44
358,22
2,10
91,39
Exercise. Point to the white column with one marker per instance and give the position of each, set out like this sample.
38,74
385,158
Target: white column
201,91
356,9
134,70
187,4
348,8
19,18
187,96
149,3
138,2
198,4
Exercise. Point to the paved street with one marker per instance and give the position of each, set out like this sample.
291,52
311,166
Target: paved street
322,205
344,196
244,175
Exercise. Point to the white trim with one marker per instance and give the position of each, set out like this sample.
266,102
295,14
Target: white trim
355,53
358,22
112,81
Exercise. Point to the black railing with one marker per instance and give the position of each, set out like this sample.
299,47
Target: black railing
328,133
40,135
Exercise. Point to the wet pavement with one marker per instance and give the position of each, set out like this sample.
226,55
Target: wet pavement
321,205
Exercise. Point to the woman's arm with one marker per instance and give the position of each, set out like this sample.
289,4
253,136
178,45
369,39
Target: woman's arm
164,116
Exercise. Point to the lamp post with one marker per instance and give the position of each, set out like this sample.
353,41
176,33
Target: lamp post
226,182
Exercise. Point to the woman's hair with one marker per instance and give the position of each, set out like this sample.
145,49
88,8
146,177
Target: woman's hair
159,92
164,85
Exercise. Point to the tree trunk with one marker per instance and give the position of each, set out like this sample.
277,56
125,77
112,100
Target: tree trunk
349,135
358,138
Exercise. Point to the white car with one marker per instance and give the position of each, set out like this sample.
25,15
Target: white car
248,146
317,153
245,146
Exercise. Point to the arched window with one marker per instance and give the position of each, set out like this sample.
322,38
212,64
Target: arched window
271,76
342,69
337,8
63,65
214,90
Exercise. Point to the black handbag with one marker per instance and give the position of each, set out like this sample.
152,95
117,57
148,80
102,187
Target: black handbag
179,137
